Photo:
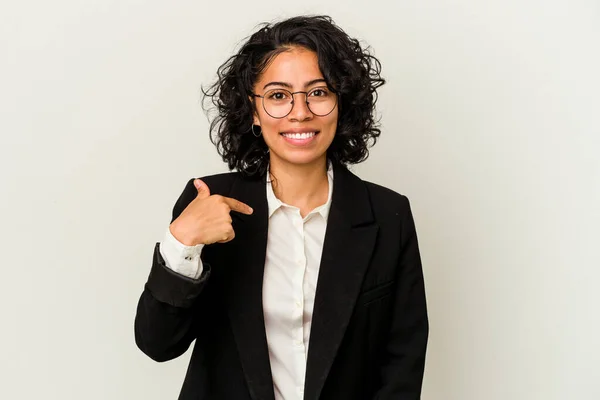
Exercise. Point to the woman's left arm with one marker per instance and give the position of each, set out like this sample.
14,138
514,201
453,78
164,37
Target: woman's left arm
404,363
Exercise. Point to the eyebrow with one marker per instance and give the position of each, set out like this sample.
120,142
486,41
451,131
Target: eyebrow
289,86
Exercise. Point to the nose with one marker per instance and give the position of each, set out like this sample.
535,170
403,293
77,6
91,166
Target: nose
300,110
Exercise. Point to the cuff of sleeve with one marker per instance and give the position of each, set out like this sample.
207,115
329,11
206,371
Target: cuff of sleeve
184,260
172,288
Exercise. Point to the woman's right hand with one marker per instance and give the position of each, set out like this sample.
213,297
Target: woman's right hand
207,218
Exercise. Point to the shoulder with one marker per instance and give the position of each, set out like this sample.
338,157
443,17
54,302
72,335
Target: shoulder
387,203
382,194
379,195
217,183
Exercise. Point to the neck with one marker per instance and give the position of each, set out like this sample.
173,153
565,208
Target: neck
300,185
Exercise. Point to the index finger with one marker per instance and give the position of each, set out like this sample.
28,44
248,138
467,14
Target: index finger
238,206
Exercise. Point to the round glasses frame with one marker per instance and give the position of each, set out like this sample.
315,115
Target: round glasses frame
292,101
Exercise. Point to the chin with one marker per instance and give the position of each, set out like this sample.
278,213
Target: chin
302,159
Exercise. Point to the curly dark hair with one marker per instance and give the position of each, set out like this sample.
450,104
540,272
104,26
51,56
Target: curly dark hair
349,70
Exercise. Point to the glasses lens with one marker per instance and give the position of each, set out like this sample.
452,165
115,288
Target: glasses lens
279,102
321,101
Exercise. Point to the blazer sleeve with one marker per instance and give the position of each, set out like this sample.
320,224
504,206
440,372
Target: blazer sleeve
404,362
164,322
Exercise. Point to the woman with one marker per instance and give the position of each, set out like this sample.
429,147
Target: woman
295,278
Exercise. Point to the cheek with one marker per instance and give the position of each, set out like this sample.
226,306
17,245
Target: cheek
270,128
270,125
333,122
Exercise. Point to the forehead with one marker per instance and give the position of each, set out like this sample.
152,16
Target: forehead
295,66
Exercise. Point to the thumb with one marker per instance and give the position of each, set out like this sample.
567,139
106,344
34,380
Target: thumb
203,190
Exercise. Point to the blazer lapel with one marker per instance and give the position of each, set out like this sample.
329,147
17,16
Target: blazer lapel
244,297
349,241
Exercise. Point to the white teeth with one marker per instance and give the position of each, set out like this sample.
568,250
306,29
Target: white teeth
303,135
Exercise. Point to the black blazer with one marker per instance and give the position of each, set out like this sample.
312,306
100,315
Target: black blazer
369,328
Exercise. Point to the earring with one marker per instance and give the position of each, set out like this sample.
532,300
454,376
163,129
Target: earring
259,131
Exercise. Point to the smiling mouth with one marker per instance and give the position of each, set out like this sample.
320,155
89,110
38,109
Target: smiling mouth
300,136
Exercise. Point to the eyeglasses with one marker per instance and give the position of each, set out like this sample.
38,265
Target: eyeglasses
278,103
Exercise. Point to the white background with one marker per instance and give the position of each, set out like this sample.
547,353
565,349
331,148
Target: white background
491,127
